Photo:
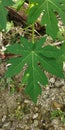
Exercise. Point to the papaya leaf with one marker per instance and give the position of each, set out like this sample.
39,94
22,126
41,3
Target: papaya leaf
3,12
18,4
48,8
32,54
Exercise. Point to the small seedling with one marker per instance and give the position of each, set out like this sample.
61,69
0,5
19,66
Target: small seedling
58,114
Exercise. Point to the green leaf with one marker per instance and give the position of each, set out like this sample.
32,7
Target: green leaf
36,76
15,67
48,8
18,4
49,51
32,55
3,12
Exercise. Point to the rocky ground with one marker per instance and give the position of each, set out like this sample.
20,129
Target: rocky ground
18,112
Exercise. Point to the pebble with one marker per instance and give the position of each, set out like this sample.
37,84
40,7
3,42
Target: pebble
59,83
47,87
63,88
35,116
26,101
52,80
4,118
62,82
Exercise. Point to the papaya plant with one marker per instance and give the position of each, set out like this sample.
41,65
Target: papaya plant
38,57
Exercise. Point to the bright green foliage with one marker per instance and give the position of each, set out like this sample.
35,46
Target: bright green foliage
18,4
49,8
33,55
3,12
58,114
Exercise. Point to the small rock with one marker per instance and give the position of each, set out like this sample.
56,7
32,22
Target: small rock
63,88
62,82
26,101
58,83
35,123
4,118
52,80
35,116
47,87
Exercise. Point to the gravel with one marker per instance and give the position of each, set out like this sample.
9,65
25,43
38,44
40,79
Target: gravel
18,112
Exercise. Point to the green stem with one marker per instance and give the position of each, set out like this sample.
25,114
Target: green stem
27,27
33,33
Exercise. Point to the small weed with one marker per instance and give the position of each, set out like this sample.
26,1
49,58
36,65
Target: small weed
18,112
58,113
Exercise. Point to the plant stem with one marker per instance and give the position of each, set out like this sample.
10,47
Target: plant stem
33,33
27,27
